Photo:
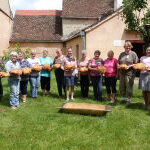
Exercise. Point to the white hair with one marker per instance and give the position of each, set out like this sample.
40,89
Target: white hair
33,51
84,51
45,50
13,53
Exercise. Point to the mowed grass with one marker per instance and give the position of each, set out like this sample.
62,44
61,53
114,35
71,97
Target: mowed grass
37,125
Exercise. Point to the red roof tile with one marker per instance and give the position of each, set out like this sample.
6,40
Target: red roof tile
38,12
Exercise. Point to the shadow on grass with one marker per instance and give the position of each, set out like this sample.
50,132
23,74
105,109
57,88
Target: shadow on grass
5,100
135,105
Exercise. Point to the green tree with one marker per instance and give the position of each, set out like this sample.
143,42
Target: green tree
6,53
136,15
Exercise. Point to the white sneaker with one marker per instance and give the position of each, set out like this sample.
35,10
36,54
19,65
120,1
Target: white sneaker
13,107
72,99
67,100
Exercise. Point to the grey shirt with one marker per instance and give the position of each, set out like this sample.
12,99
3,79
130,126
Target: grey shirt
128,59
10,65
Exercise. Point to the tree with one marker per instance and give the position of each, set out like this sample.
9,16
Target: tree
136,16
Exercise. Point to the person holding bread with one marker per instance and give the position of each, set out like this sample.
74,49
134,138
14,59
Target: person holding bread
34,77
69,64
95,75
84,75
1,87
59,73
24,64
144,80
127,76
13,68
45,74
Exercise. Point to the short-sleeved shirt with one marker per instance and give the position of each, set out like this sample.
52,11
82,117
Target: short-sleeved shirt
95,64
69,61
145,60
59,60
24,63
128,59
10,65
47,60
33,62
111,67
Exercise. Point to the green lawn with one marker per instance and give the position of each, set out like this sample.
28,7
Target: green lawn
37,125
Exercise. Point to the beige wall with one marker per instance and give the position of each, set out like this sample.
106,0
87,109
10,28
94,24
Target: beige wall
39,47
70,25
5,31
73,44
4,5
103,36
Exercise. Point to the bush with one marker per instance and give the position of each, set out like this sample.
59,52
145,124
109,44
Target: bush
16,48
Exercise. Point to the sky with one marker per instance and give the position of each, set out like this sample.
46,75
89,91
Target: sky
35,4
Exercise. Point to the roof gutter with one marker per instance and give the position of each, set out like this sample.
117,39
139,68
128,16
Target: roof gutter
38,41
78,17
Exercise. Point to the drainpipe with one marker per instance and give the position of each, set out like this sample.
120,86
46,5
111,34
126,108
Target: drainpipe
82,33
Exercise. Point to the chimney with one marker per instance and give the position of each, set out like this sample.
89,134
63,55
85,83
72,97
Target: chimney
117,4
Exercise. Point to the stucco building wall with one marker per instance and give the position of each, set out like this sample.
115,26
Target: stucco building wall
72,24
39,47
5,31
105,37
4,5
77,45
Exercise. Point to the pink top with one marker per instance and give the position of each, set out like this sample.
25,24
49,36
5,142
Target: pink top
95,64
111,67
145,60
68,61
84,63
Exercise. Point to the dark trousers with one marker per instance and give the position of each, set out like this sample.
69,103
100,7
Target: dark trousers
110,84
45,83
23,87
84,84
1,90
97,87
59,74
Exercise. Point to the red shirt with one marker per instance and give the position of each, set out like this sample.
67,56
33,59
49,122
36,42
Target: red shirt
111,67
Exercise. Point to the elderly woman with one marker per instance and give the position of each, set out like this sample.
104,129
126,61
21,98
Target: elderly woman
45,74
69,75
24,78
144,81
59,73
34,77
111,76
129,58
96,77
1,88
84,76
13,80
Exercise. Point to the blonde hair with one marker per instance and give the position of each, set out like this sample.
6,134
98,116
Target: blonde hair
128,43
45,50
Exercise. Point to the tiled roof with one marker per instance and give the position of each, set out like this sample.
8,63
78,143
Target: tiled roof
87,8
37,26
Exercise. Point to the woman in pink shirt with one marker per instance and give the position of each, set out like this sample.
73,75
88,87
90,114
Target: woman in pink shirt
111,75
95,76
84,77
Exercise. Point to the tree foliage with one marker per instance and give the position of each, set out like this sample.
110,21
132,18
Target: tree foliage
136,14
16,48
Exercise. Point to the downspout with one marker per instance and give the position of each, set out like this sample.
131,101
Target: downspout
82,33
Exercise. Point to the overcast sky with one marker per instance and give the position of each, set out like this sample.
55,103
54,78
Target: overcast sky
35,4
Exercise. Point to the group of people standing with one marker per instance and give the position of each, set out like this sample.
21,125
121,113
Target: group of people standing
66,79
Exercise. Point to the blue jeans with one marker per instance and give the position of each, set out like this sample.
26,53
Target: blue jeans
97,87
14,85
34,84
